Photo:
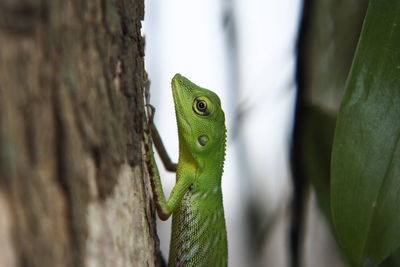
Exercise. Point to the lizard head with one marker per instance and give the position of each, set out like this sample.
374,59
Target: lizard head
200,118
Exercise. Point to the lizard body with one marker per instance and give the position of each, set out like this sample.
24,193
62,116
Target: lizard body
198,223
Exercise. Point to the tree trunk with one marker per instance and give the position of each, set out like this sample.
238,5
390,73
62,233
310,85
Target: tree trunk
73,183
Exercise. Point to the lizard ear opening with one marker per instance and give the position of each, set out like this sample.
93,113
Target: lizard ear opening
203,140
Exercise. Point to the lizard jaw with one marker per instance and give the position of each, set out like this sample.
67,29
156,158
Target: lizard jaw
178,93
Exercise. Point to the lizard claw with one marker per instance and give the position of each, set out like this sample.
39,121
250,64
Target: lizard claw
152,111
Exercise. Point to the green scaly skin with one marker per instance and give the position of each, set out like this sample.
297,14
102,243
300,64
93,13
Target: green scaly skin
198,221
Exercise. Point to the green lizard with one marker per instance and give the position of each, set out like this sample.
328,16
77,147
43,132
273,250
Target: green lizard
198,223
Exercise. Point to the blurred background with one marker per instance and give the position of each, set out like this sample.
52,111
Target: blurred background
279,68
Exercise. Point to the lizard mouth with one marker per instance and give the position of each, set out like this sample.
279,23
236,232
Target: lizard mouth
178,93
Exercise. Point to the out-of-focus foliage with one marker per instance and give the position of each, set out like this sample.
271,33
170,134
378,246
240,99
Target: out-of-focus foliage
328,41
328,38
365,189
392,261
318,127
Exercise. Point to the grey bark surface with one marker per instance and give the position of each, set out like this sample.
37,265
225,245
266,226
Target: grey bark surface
73,183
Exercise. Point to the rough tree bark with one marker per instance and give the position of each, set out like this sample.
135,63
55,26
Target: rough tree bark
73,187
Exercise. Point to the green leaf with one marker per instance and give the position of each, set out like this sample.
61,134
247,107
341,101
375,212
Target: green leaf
365,187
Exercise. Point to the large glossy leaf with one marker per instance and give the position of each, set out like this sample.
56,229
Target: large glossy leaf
365,187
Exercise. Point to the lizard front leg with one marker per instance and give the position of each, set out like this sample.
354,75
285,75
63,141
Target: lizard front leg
164,207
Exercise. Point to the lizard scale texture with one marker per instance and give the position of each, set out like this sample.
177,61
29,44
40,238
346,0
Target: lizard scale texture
198,231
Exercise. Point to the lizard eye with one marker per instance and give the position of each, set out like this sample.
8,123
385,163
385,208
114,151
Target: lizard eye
200,106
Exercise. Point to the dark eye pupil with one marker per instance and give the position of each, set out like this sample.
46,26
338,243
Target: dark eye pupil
201,105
